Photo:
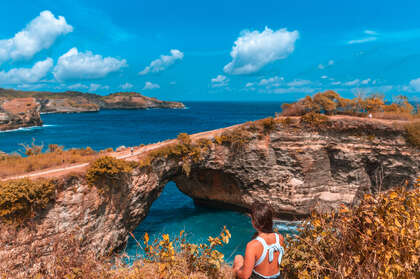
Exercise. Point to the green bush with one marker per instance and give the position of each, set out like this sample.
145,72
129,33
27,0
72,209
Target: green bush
378,239
20,199
107,171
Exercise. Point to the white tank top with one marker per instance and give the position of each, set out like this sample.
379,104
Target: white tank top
269,249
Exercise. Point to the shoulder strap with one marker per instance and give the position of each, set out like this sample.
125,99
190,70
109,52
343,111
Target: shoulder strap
264,253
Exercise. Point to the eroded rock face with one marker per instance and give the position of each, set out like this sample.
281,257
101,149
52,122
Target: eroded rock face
294,168
299,170
19,112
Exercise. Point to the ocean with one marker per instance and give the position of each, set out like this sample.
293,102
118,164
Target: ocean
173,211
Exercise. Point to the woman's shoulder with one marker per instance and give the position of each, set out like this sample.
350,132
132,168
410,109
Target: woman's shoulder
253,244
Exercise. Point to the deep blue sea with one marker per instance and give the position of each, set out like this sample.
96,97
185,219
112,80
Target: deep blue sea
172,211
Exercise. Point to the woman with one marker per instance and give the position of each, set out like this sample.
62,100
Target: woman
264,253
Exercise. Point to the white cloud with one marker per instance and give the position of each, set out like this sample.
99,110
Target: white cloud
75,65
272,81
163,62
95,87
149,85
365,81
336,83
299,82
126,85
27,75
324,77
219,81
363,40
370,32
301,90
249,84
77,86
329,64
39,34
352,82
30,86
253,50
415,84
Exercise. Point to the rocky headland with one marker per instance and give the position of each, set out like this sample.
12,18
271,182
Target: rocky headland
295,166
19,112
22,108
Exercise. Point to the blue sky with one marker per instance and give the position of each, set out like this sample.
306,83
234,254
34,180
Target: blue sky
212,50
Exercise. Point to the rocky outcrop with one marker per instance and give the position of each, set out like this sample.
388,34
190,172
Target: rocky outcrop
19,112
67,102
136,101
295,167
73,101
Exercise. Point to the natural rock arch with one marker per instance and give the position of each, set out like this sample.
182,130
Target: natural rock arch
296,169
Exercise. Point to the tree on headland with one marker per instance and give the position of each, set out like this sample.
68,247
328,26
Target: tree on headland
331,103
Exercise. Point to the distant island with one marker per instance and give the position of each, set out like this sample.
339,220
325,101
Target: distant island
23,108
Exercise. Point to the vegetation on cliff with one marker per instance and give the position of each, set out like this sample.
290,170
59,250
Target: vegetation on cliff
380,238
413,133
35,159
106,172
164,258
20,199
331,103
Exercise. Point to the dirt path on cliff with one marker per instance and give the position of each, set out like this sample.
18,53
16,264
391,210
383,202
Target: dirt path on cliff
141,151
138,153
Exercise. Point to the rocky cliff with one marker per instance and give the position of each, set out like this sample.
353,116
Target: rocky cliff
73,101
296,167
20,112
22,108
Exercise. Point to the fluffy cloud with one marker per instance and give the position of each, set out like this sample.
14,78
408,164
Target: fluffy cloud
75,65
39,34
149,85
163,62
272,81
219,81
126,85
365,81
415,84
27,75
253,50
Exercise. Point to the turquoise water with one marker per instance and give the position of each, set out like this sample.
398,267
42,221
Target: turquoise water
172,211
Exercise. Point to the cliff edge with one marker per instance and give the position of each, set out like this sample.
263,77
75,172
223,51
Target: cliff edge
19,112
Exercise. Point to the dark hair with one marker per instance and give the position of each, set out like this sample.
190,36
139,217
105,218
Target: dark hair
262,217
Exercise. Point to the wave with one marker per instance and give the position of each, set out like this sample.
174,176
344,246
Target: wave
290,226
25,129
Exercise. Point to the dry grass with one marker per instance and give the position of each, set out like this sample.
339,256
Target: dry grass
380,238
12,165
67,259
394,116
